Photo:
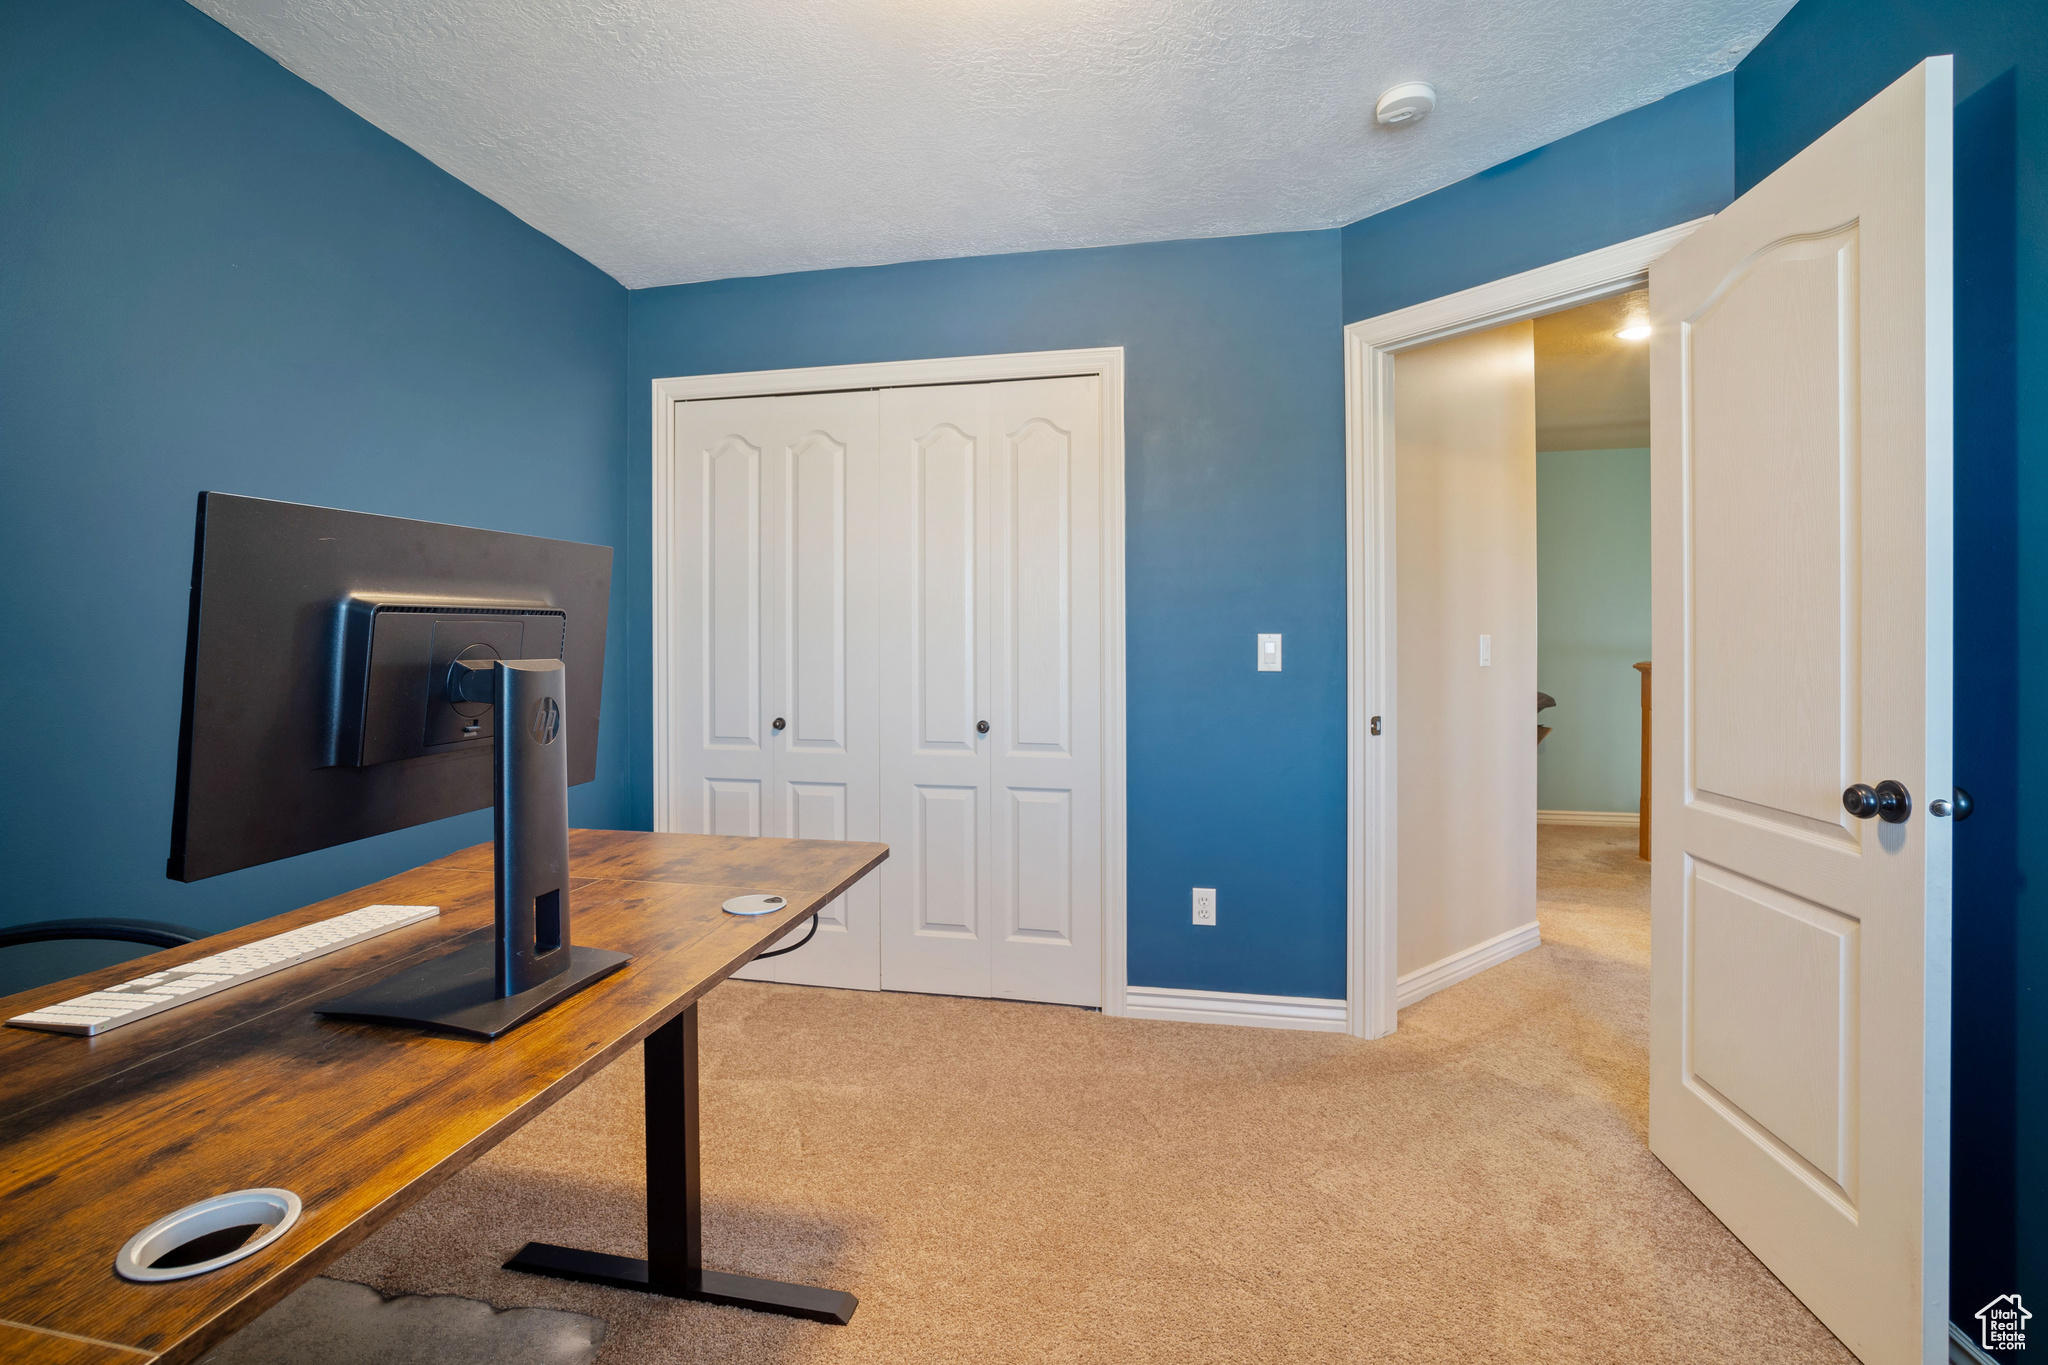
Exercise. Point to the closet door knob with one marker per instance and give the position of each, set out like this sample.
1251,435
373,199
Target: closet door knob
981,728
780,722
1889,801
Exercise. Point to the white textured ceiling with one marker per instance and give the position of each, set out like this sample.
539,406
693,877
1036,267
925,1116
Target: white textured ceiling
677,140
1593,388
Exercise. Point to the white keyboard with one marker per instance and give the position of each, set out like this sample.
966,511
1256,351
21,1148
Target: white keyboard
159,991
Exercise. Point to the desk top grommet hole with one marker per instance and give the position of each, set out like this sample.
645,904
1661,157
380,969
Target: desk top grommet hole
202,1237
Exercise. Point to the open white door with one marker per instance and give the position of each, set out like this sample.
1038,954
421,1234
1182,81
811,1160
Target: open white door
1799,1072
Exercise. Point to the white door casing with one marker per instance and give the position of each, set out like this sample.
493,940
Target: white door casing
774,620
1802,595
1372,347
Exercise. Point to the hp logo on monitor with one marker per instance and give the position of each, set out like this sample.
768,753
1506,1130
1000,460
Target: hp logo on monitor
547,721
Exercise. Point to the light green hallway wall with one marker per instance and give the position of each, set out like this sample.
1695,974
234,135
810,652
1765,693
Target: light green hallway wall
1593,623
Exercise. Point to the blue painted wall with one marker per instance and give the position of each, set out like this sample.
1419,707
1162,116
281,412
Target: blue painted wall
299,307
1654,167
1234,486
1822,61
1234,480
214,276
1592,625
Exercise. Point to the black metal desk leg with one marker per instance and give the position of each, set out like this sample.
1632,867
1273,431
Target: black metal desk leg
675,1203
675,1241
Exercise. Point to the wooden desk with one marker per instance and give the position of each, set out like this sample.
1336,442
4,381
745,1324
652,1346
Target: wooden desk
101,1136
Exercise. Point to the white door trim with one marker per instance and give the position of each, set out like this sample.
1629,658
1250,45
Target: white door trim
1237,1007
1370,345
1106,362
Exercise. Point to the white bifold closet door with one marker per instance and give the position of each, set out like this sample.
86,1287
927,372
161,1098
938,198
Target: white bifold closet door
909,579
991,720
774,721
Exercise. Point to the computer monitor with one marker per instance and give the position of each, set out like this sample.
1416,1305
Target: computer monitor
349,674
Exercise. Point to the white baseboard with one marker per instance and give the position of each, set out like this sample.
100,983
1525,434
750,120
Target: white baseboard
1963,1351
1235,1007
1587,817
1427,981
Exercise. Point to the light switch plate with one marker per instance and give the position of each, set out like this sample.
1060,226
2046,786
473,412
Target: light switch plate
1269,654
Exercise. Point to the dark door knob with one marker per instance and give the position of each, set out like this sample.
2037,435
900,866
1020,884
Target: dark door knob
1960,807
1889,801
780,722
981,728
1894,802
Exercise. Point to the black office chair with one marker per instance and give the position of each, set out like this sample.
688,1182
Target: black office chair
29,974
154,933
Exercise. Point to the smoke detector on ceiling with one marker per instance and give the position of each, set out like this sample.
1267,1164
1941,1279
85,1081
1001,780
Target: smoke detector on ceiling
1405,103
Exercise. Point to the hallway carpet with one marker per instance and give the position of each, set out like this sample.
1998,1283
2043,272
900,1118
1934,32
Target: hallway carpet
1008,1183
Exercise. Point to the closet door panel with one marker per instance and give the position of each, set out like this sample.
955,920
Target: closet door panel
732,524
1045,737
818,810
943,674
819,546
818,592
776,592
1040,842
722,767
934,689
1038,589
942,851
732,806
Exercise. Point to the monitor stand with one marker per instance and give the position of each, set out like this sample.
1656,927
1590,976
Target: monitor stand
489,989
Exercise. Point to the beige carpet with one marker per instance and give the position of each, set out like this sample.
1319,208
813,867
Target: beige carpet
1003,1182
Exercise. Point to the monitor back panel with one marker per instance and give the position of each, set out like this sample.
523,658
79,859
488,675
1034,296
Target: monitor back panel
269,674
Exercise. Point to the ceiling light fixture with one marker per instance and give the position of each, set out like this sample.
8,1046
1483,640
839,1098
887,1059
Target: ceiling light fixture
1405,103
1635,333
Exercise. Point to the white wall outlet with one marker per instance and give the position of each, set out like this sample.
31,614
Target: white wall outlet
1269,654
1205,905
1486,651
